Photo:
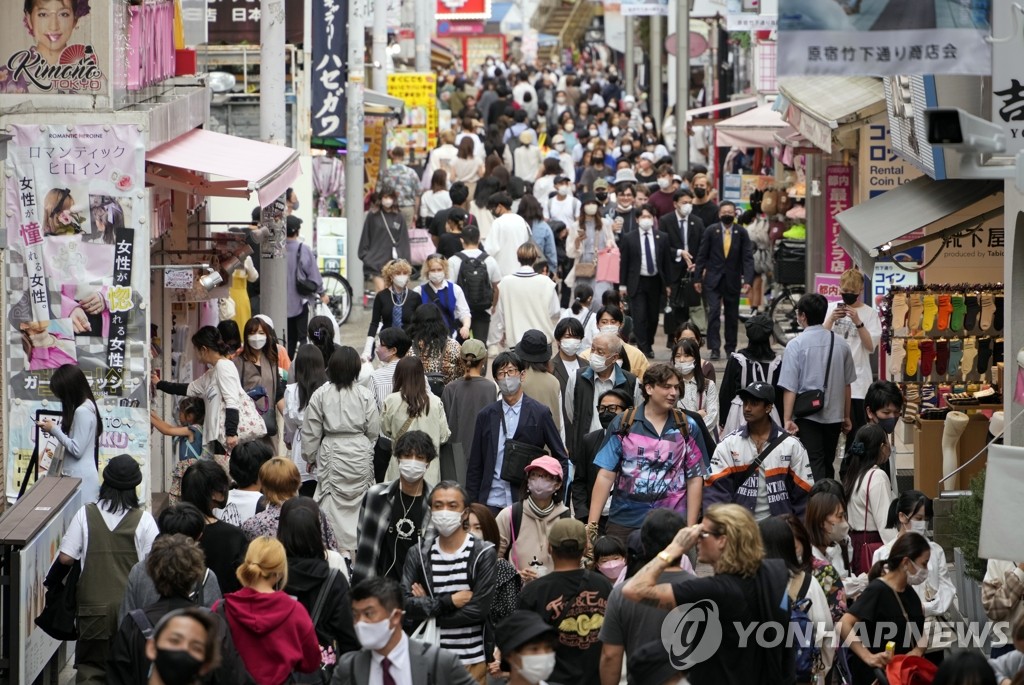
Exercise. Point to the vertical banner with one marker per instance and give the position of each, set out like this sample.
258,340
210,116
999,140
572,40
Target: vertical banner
892,38
330,43
418,130
77,279
838,198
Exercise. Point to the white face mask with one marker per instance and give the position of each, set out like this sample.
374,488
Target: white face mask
570,346
560,146
412,470
536,667
685,368
664,183
686,209
919,527
648,125
446,522
918,575
839,531
436,277
610,328
615,131
590,146
562,191
626,149
374,635
598,363
387,203
590,210
400,280
646,224
257,342
542,488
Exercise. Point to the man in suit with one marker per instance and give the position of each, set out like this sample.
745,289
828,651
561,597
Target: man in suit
526,420
685,231
642,264
725,270
388,657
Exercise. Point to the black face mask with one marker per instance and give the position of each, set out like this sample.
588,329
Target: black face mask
606,418
177,667
850,298
700,192
727,219
601,196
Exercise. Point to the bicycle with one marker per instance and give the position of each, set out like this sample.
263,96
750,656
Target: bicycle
782,312
339,295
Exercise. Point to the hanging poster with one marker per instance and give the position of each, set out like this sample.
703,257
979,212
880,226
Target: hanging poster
884,37
418,130
54,46
838,198
330,43
77,278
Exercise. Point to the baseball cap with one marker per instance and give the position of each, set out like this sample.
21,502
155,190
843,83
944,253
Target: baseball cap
546,464
650,664
758,391
474,349
522,627
565,532
600,184
649,156
292,225
561,179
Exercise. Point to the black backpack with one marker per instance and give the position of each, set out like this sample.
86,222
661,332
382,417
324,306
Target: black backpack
475,282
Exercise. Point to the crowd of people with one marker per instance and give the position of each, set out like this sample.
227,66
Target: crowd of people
503,484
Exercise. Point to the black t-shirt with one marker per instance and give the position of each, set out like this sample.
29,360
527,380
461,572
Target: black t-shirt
224,546
878,609
707,212
438,224
579,623
449,245
403,533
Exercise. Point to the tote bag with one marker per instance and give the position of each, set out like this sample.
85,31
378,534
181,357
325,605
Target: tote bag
251,425
420,246
608,265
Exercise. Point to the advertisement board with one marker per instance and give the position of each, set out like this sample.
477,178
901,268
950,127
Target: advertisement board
838,198
330,44
463,9
418,130
881,169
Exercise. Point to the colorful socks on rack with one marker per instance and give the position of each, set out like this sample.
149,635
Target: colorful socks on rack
929,312
927,349
941,356
896,360
956,321
945,312
984,354
970,355
912,403
971,316
988,311
956,353
899,312
915,309
913,356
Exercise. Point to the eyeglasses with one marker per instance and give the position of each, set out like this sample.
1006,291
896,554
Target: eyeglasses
705,534
506,373
610,407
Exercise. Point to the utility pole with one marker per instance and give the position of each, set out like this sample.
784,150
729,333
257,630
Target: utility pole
424,34
354,140
657,48
380,46
273,129
630,56
682,85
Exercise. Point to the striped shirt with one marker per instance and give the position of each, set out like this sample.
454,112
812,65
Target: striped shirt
451,574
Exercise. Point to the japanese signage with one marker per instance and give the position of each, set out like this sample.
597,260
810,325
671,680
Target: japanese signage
238,21
973,258
56,46
374,132
418,130
848,37
463,9
330,44
332,244
1008,79
828,286
77,277
838,198
881,169
644,8
887,275
751,22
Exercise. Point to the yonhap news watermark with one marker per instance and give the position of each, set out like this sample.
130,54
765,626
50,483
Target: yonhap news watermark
692,634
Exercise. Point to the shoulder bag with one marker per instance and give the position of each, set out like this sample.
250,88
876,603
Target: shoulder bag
305,286
812,401
518,455
866,552
321,676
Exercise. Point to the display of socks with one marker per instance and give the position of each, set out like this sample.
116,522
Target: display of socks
956,320
997,352
927,349
913,357
929,397
941,356
912,403
929,312
896,359
988,311
945,312
956,353
944,389
984,354
914,310
899,312
997,318
971,315
970,355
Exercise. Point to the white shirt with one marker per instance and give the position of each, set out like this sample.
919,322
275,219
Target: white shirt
400,668
501,490
507,233
695,401
76,540
861,356
877,499
646,268
493,270
566,210
241,504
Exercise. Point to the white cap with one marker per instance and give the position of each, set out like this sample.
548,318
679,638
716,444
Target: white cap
265,319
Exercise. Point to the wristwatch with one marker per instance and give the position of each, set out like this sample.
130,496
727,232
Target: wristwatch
666,557
860,325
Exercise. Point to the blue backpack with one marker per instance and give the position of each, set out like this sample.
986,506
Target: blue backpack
808,654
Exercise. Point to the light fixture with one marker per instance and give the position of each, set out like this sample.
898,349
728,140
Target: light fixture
211,280
221,81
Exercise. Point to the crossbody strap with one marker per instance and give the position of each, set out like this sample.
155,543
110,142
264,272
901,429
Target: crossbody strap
321,597
828,366
759,459
867,500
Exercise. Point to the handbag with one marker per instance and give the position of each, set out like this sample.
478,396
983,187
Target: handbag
586,269
812,401
608,265
684,294
420,246
251,425
427,632
518,456
59,617
866,552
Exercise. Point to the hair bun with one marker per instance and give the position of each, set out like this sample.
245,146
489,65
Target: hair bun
858,449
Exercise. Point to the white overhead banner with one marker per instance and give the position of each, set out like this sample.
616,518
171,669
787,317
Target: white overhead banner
644,8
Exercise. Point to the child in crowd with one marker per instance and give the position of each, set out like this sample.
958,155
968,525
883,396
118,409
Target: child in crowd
610,559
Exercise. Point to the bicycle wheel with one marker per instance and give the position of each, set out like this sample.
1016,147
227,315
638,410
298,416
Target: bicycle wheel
782,312
339,294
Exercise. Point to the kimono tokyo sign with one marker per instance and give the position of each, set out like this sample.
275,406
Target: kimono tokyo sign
77,278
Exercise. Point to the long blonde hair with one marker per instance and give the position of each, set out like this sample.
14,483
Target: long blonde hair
744,550
264,559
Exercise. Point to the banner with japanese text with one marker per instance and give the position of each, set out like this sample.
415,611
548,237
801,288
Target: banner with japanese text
884,37
644,8
330,47
418,130
77,279
838,198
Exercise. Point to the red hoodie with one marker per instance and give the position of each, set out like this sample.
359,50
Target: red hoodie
273,634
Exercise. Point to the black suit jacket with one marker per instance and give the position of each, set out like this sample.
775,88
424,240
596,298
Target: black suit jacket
669,225
536,427
630,259
725,275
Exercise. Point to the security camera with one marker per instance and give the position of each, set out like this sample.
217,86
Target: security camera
954,128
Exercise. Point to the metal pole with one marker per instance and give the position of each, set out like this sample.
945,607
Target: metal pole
380,46
657,49
354,143
630,56
273,128
682,84
424,35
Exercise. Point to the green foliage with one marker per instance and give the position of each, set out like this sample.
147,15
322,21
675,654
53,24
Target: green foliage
967,527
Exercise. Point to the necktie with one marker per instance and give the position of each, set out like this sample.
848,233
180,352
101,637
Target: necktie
649,253
682,232
385,669
727,241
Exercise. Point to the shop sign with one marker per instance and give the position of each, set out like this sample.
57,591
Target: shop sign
819,37
827,285
973,258
58,47
374,133
463,9
887,275
1008,79
238,21
644,8
330,44
746,21
880,168
418,130
77,278
838,198
151,53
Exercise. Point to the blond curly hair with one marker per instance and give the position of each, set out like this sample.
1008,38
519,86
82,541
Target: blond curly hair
393,268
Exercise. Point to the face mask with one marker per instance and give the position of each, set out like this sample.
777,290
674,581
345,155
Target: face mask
839,531
562,191
412,470
176,666
593,133
570,346
649,126
615,131
542,487
626,149
646,224
568,126
598,363
611,569
537,667
446,522
590,210
686,209
700,192
685,368
560,146
257,342
606,418
436,277
401,280
664,183
918,576
509,385
590,146
384,354
919,527
727,219
560,101
850,299
387,203
888,425
374,635
601,197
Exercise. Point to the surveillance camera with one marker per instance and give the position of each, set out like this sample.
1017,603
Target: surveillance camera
954,128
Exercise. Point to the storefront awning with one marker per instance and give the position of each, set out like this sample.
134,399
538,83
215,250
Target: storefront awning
375,102
756,127
921,203
826,108
246,166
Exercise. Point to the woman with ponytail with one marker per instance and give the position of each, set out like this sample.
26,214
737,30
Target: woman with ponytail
272,632
583,298
321,334
220,387
868,494
888,601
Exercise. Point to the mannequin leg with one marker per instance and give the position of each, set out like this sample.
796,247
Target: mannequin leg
956,424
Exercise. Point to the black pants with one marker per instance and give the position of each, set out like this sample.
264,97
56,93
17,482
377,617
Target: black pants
820,440
716,301
297,330
481,325
382,451
643,306
308,488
